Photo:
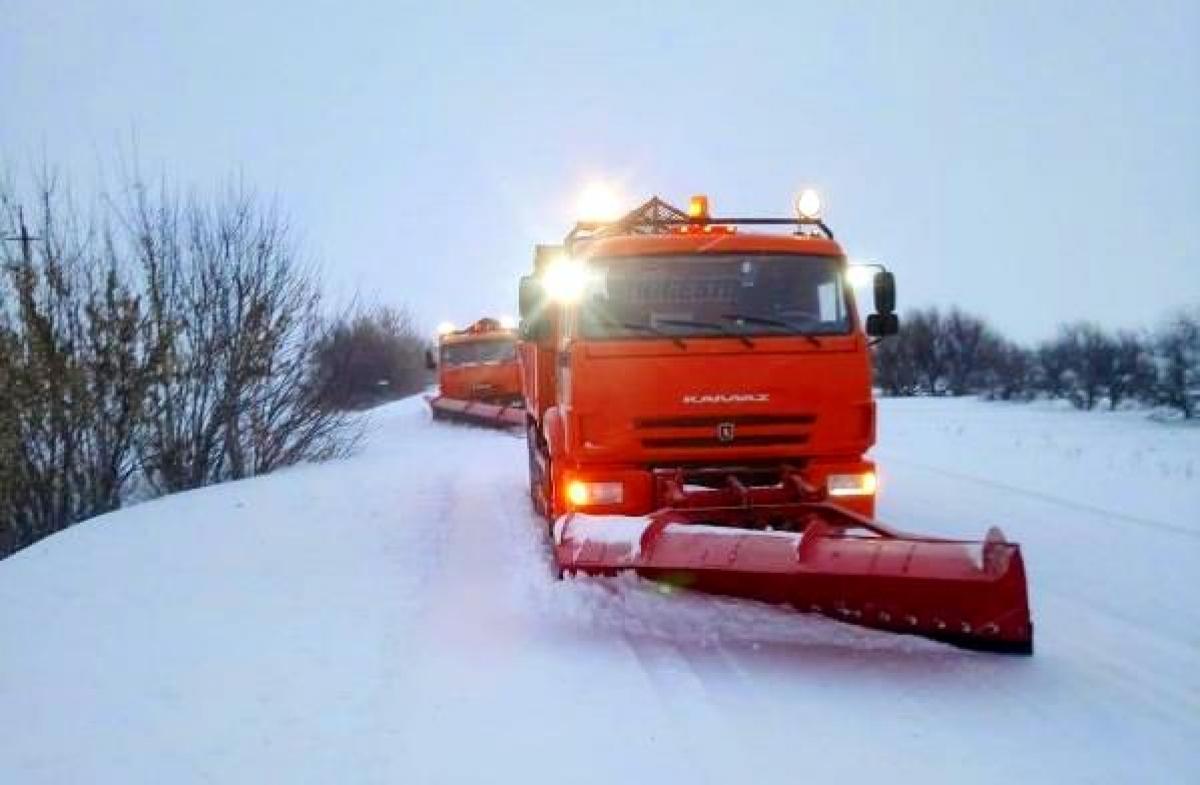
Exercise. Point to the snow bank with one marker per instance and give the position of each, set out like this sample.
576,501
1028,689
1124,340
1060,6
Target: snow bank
393,618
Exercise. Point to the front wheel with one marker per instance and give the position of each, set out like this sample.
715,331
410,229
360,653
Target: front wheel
534,479
541,487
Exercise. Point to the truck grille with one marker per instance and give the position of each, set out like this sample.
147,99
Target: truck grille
704,431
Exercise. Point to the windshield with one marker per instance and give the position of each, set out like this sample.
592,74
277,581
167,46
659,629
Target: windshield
478,352
710,295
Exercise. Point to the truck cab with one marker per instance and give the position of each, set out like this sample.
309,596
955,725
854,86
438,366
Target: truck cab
479,363
708,349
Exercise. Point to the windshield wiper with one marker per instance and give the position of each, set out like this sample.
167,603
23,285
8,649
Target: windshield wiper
769,322
709,326
639,327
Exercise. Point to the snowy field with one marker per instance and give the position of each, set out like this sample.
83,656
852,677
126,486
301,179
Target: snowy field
391,618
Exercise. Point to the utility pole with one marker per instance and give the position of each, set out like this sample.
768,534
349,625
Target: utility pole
24,238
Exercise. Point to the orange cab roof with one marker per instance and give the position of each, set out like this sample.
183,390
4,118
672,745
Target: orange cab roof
703,242
486,329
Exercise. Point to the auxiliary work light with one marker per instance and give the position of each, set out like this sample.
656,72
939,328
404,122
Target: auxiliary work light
599,201
808,205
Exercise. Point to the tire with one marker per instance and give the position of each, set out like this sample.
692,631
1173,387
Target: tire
541,490
534,473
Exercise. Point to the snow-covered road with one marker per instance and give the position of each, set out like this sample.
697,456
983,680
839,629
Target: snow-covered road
392,618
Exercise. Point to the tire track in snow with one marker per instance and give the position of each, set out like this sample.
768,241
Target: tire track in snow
1059,551
686,699
1134,681
1122,640
694,718
1106,515
397,701
445,684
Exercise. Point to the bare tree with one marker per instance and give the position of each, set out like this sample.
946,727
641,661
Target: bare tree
76,366
895,370
1079,364
156,341
240,317
1008,371
1178,349
967,342
1131,374
369,355
925,333
1053,368
934,354
11,447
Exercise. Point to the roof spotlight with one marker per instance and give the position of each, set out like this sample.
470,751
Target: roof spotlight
808,205
599,201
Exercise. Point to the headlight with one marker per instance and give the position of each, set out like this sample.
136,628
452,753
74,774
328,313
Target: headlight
566,279
583,494
852,484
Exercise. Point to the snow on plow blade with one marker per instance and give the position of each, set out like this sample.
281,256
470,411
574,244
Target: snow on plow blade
838,564
476,412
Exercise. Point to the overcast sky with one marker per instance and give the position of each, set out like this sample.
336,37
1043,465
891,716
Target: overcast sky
1031,162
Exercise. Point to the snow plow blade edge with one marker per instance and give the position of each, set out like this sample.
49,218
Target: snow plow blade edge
492,415
971,594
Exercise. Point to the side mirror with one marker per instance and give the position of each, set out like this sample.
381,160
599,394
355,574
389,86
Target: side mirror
430,360
881,325
532,304
885,294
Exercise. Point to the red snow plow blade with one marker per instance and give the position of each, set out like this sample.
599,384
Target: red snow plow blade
819,558
495,415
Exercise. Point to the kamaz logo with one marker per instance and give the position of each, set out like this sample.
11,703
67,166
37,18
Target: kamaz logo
728,398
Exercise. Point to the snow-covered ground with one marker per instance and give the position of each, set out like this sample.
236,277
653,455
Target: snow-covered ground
391,618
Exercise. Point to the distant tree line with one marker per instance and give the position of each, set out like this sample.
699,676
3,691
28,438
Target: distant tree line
369,355
155,343
955,353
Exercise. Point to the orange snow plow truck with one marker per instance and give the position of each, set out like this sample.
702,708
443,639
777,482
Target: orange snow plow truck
698,405
479,378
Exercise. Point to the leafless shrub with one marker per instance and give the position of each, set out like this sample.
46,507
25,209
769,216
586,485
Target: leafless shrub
1009,372
1086,356
924,331
1177,346
959,354
369,355
894,364
1132,372
1087,365
155,340
239,316
76,362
